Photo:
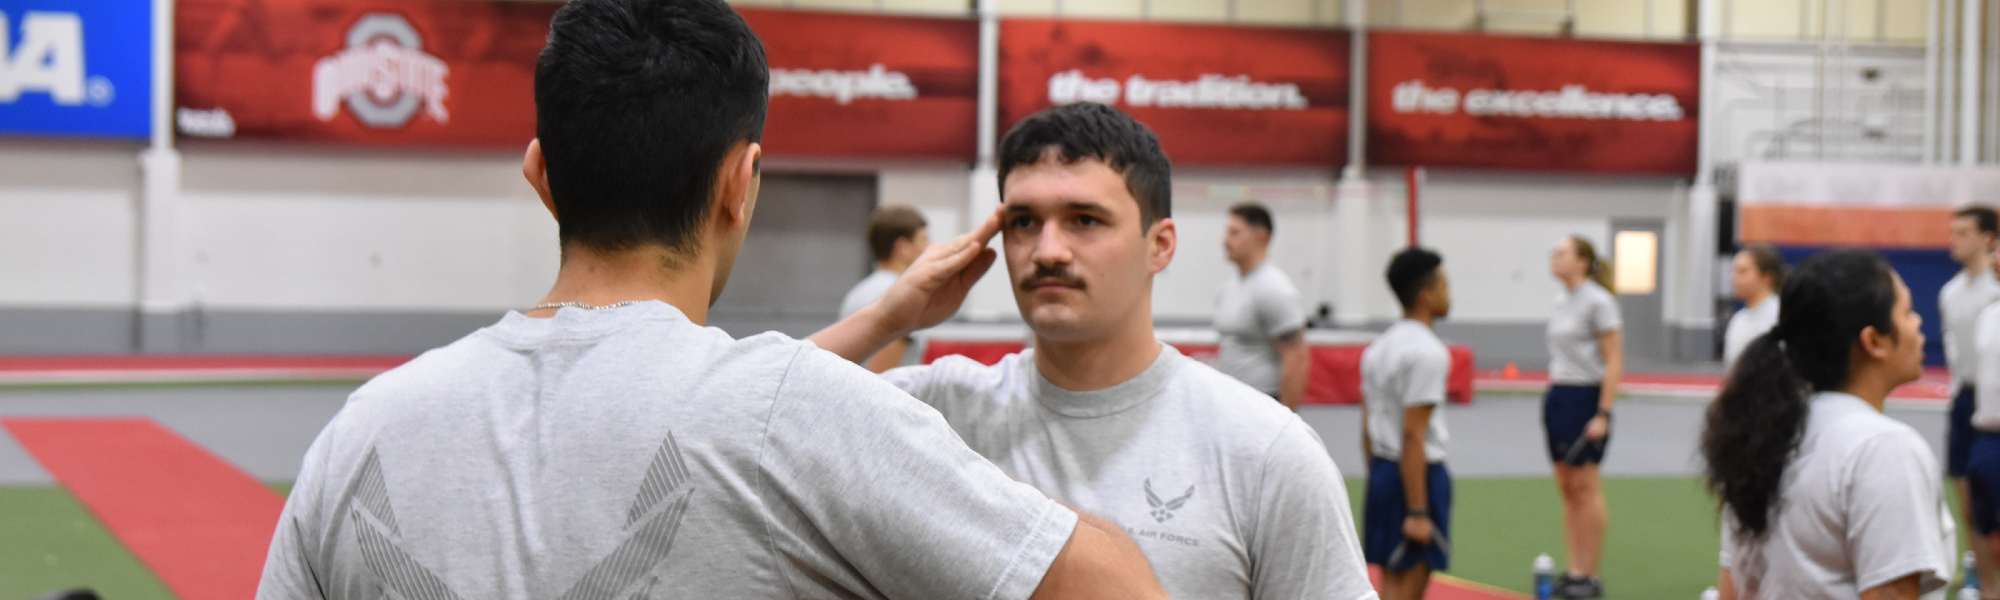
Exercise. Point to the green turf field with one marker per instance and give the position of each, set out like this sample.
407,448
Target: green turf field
1662,543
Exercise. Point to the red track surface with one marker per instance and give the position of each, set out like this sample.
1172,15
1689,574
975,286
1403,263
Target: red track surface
198,522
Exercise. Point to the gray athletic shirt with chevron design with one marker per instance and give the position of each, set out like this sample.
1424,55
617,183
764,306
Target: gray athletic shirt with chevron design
629,453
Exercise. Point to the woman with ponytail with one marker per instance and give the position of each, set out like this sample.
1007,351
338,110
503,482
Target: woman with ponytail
1822,495
1586,360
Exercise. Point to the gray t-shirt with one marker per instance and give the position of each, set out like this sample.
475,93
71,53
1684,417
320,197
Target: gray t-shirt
1406,367
1745,327
1253,311
1228,494
1959,304
1580,314
867,292
630,453
1986,407
1860,505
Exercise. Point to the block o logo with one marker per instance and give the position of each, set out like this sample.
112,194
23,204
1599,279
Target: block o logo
383,76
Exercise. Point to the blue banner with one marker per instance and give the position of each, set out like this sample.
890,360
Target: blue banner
78,68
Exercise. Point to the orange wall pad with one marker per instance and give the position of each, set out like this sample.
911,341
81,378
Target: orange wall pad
1865,226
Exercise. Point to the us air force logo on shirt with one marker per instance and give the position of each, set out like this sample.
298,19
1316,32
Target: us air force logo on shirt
650,523
1163,511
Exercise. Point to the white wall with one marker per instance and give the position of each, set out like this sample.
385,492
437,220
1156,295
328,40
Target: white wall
318,229
1495,231
67,224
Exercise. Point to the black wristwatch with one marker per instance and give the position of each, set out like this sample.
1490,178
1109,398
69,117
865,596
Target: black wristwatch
1420,512
1604,412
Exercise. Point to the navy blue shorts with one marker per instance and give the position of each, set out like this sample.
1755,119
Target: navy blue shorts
1982,474
1383,511
1959,433
1566,411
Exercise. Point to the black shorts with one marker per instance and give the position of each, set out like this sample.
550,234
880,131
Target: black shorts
1959,433
1566,412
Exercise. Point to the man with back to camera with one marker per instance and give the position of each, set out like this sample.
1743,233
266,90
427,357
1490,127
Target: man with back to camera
1974,230
1404,376
1263,330
897,234
605,444
1229,494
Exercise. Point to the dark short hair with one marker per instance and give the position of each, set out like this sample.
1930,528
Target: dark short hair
1411,272
1254,215
637,102
890,224
1989,221
1088,130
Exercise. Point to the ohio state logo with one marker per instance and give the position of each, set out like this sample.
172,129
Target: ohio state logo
383,76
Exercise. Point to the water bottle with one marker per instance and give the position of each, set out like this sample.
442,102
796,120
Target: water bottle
1711,594
1970,568
1545,577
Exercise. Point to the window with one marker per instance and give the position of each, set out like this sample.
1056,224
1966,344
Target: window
1635,262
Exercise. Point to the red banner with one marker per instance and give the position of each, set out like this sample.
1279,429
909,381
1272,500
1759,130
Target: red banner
1532,103
1214,94
404,72
868,85
462,73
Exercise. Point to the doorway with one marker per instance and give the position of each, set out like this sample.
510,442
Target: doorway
1635,253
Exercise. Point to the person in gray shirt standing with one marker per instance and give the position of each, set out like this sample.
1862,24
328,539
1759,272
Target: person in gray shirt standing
1229,494
604,444
1258,315
1975,230
897,234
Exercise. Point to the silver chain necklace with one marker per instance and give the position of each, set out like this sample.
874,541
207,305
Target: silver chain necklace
583,306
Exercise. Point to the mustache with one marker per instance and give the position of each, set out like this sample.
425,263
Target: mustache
1057,274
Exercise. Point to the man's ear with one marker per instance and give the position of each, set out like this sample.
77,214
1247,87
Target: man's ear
535,168
1163,239
736,185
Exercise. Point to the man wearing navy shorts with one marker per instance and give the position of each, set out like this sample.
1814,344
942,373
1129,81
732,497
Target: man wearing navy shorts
1974,230
1407,514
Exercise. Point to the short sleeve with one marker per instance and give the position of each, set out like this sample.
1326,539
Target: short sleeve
1304,544
1429,373
1604,315
1895,514
1278,312
288,568
1726,558
894,493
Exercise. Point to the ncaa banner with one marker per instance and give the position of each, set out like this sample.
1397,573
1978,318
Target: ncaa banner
869,85
1223,95
1468,100
397,72
76,68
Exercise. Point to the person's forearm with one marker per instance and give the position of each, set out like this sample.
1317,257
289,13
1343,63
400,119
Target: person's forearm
1725,586
1907,588
1614,372
1611,348
1415,468
1367,446
1099,561
858,336
890,356
1292,378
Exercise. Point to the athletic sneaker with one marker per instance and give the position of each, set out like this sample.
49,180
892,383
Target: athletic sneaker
1578,588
